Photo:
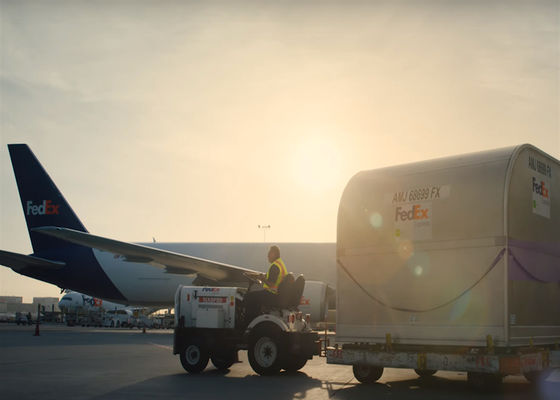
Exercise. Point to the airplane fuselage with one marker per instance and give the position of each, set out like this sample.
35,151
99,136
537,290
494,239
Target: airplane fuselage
141,284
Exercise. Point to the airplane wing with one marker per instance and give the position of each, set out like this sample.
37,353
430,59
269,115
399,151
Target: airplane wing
18,261
174,263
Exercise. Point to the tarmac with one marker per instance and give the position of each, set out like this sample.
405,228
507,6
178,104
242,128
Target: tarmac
100,363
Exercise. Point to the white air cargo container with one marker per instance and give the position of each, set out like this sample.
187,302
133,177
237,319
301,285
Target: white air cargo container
457,251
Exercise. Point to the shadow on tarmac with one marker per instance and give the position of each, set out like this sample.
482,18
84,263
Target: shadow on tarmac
214,384
434,388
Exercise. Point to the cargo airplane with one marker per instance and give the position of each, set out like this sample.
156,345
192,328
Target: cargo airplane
67,255
74,301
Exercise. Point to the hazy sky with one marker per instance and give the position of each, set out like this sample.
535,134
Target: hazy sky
197,121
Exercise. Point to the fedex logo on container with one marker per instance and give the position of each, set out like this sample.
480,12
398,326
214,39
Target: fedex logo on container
415,213
44,208
540,188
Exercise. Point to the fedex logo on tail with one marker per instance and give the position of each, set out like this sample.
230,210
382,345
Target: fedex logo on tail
44,208
540,188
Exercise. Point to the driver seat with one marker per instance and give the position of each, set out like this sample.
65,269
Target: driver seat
285,290
296,292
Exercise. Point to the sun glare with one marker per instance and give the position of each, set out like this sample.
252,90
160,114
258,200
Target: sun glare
317,164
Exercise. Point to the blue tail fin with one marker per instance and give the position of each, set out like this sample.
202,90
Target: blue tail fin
42,202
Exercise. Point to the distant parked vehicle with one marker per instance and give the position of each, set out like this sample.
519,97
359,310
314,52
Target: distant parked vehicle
21,319
144,322
7,317
118,319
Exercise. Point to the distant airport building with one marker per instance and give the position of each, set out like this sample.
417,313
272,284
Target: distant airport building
47,303
11,299
13,304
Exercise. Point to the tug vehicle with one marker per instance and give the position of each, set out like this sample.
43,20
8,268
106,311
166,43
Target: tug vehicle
211,324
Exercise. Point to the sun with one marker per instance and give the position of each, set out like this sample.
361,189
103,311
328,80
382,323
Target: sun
316,163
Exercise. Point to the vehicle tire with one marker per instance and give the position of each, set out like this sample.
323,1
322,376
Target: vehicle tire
224,361
425,373
293,364
367,373
194,358
266,347
536,376
484,381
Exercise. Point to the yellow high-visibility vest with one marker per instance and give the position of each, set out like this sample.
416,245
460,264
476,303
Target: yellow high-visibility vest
281,274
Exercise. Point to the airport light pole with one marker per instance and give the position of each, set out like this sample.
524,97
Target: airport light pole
264,228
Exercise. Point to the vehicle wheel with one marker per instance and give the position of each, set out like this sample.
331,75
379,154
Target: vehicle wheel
224,361
536,376
265,350
484,381
294,364
367,373
194,358
425,373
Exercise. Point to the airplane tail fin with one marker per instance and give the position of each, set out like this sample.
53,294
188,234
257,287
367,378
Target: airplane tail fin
42,202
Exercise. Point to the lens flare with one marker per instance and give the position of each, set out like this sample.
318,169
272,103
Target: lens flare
419,264
376,220
405,249
460,307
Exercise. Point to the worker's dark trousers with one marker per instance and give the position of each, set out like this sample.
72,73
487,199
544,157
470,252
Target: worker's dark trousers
255,300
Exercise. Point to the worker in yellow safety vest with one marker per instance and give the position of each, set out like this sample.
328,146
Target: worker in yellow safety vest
277,271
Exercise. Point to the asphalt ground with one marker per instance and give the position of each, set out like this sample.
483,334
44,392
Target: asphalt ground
99,363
